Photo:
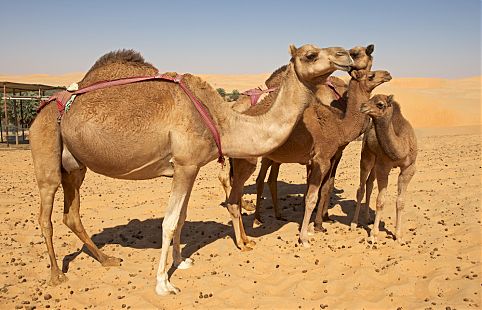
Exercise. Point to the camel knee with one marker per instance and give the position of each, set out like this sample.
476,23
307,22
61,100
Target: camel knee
360,192
310,204
73,222
46,226
234,210
380,206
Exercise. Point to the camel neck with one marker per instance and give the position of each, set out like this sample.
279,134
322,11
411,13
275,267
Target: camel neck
251,136
354,121
318,85
392,145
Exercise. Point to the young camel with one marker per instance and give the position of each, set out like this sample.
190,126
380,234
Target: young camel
316,139
329,92
389,143
363,60
153,130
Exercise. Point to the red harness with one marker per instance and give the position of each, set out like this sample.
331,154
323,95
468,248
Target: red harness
255,93
333,88
62,97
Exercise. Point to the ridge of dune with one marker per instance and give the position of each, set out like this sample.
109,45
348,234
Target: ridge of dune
426,102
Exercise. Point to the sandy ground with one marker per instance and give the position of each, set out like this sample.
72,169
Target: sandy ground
439,267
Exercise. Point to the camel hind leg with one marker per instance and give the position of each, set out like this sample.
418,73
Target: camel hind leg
71,183
367,162
243,169
404,178
265,164
225,176
368,194
273,188
46,150
381,171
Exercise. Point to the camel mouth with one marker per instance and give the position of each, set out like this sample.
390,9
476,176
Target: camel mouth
364,109
341,67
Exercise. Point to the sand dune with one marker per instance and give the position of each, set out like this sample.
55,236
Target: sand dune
426,102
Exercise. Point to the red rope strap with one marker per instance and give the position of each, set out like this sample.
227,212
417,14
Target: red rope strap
330,84
62,97
255,93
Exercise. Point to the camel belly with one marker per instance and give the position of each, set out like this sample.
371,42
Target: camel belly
124,154
128,165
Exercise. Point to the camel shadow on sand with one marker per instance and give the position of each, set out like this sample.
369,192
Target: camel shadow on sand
147,234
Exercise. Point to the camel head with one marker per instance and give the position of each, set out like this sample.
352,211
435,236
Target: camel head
379,106
370,79
313,64
362,57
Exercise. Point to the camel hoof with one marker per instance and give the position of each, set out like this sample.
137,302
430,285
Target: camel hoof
373,239
246,249
164,288
319,228
327,219
111,261
57,279
185,264
250,243
257,222
248,206
353,226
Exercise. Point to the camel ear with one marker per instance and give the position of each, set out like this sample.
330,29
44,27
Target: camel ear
389,100
293,50
369,50
356,74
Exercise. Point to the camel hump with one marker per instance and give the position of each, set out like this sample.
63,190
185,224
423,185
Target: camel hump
276,77
118,64
125,56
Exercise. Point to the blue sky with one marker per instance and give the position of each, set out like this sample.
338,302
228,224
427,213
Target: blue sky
424,38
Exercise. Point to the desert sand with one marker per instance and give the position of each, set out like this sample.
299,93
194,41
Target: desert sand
426,102
438,267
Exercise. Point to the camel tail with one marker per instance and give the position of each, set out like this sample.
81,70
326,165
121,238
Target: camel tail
46,146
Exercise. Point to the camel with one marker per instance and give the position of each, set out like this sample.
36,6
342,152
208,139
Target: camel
363,60
389,143
316,139
151,129
329,92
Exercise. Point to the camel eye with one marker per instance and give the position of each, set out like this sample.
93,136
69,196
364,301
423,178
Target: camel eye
311,56
380,105
371,77
354,54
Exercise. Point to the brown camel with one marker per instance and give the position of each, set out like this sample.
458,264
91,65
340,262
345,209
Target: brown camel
389,143
316,139
363,60
150,129
324,92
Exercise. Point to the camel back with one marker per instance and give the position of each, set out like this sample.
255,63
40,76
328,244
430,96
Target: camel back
399,122
116,65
